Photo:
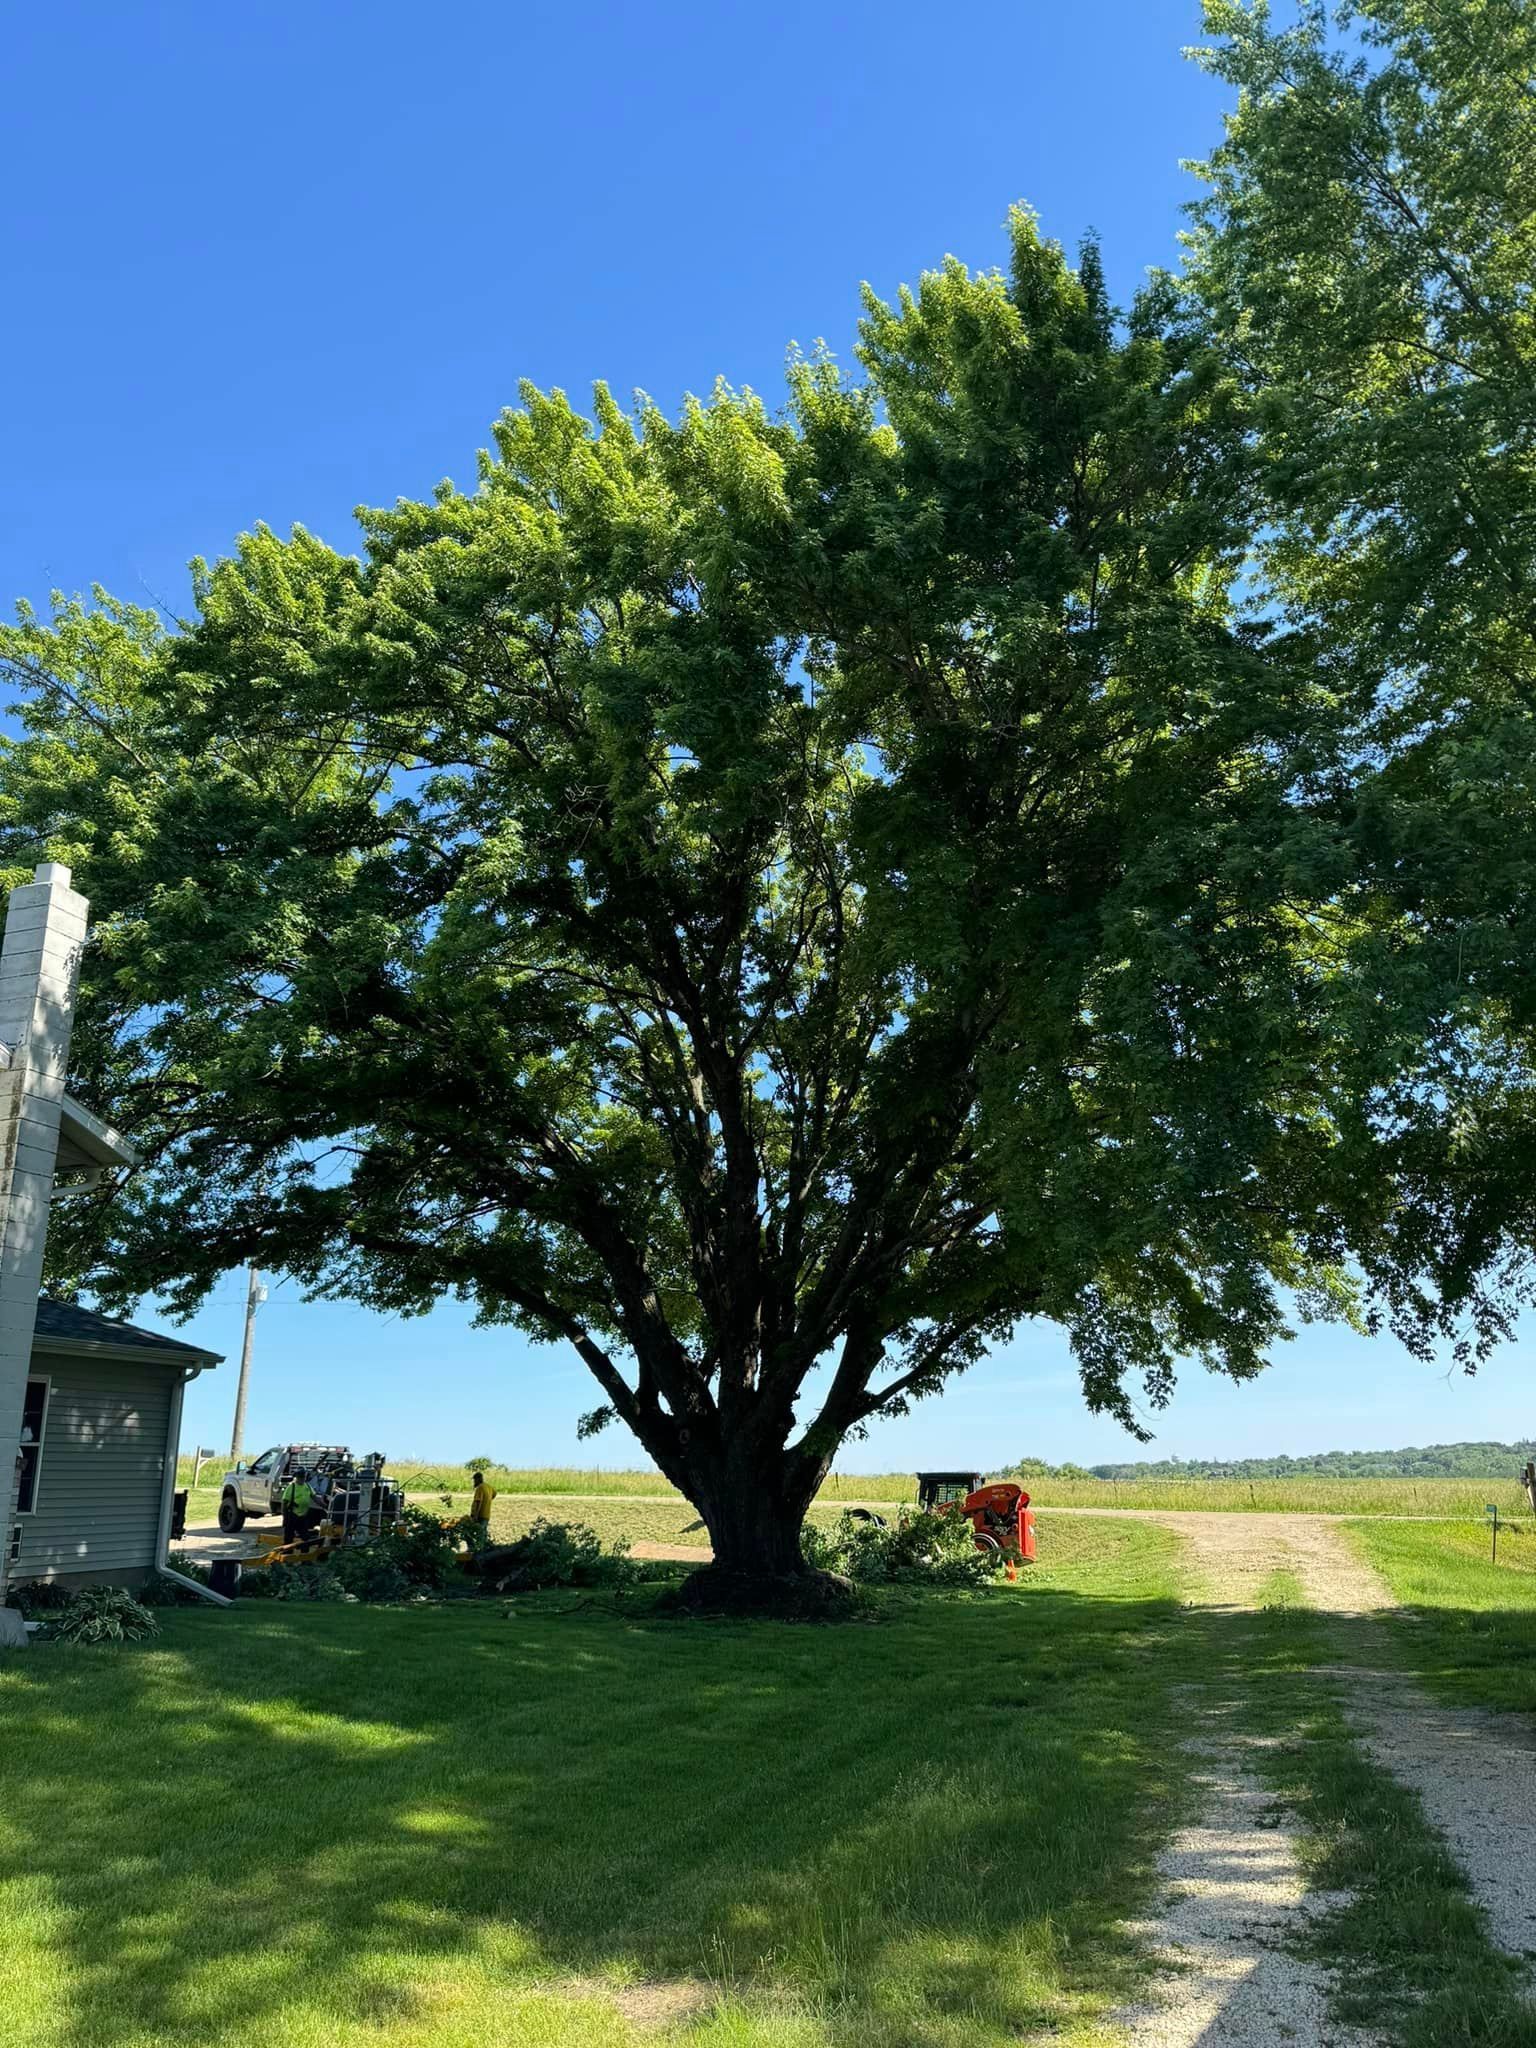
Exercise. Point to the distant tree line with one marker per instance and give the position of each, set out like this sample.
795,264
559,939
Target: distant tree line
1427,1461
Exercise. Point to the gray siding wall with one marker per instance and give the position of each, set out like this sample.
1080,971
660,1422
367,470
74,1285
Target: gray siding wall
103,1467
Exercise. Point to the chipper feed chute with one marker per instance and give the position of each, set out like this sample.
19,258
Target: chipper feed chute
997,1510
1002,1518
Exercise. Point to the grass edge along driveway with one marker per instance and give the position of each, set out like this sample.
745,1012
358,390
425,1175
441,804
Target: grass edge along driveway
1467,1625
1409,1950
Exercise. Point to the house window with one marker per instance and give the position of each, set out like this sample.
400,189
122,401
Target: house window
34,1419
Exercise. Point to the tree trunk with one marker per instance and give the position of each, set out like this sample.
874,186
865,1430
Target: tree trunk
754,1516
755,1530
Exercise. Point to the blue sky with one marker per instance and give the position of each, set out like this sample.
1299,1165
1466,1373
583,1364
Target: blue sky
267,264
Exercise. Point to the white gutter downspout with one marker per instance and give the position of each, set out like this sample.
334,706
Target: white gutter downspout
194,1586
168,1498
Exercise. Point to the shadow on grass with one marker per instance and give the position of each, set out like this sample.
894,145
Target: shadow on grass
344,1824
1467,1623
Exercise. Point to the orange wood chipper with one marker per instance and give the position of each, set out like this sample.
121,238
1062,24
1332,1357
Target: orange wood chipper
999,1510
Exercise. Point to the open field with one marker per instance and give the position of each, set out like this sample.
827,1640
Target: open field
1427,1497
1450,1498
421,1477
412,1829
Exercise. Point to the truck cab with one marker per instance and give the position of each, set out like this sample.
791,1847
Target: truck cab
257,1488
939,1490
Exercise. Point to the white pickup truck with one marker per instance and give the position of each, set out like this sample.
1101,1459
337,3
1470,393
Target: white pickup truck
257,1488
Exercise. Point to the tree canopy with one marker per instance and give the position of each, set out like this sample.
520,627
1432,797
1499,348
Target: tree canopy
1365,253
768,899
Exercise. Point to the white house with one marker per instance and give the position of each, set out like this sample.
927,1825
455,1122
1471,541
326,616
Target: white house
90,1409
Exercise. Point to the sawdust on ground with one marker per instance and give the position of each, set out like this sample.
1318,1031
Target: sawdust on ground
668,2002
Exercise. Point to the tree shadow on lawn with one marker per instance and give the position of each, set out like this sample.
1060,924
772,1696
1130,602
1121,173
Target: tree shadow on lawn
1484,1659
342,1824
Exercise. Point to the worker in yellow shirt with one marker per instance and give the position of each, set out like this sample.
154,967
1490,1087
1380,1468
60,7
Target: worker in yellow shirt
480,1505
298,1502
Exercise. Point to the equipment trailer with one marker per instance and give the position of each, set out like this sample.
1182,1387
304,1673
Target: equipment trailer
353,1498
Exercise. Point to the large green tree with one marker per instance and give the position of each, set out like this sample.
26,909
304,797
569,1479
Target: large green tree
1366,254
768,901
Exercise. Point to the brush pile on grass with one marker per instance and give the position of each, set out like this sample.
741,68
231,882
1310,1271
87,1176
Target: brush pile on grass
554,1554
425,1557
919,1549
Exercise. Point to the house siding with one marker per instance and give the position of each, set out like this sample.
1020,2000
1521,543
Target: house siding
99,1488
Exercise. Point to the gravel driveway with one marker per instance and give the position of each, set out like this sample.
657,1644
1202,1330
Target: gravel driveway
1236,1895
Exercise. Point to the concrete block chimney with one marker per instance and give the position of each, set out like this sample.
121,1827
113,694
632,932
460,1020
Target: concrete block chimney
45,929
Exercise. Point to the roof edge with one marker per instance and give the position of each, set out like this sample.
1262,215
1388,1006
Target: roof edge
151,1354
101,1144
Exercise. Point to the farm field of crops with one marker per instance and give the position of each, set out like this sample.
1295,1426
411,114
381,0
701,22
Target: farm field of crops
1450,1499
632,1521
672,1521
420,1477
1453,1499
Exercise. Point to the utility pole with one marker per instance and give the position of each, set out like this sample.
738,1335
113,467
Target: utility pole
255,1295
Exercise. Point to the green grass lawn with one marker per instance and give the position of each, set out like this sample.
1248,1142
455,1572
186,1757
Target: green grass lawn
433,1827
1468,1626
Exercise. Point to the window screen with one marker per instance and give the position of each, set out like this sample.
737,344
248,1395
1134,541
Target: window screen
34,1417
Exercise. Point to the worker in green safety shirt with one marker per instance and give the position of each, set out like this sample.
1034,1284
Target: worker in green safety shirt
298,1506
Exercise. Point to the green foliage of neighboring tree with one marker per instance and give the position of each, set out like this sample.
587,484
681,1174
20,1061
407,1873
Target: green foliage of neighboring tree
770,902
1367,252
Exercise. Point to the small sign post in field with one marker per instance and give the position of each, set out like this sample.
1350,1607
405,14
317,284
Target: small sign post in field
1493,1509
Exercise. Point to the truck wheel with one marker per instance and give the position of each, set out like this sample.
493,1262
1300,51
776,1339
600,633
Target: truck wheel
231,1517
